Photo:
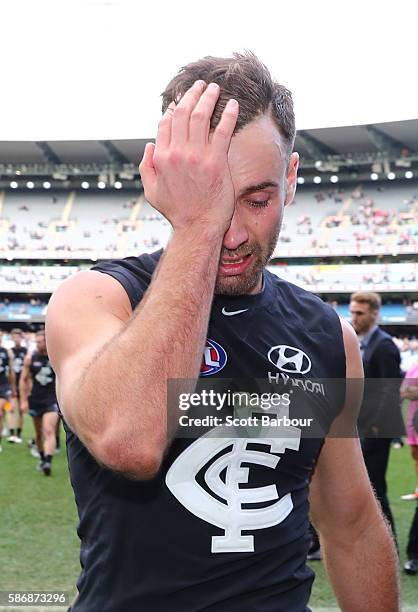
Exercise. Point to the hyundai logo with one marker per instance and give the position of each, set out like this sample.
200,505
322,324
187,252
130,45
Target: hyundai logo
289,359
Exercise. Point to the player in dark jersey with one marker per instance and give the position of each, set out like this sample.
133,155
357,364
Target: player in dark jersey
37,396
217,523
16,418
7,382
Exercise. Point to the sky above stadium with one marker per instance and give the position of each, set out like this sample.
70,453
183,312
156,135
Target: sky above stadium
94,69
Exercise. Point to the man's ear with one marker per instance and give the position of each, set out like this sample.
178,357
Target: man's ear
292,175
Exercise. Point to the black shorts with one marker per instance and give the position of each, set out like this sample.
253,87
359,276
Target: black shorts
5,392
37,409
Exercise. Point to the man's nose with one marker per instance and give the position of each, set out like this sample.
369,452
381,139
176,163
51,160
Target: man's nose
236,234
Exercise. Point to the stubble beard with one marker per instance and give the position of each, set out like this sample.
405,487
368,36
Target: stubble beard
245,283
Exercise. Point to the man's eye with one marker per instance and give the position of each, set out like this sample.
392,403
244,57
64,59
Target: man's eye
258,203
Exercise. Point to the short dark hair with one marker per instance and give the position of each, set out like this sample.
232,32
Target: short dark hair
245,78
40,332
17,330
367,297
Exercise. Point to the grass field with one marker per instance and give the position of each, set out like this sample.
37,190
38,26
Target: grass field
39,545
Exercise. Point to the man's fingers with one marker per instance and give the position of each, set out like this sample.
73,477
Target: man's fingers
201,116
147,159
221,138
181,114
164,127
147,171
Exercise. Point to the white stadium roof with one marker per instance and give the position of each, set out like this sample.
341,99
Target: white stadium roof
94,69
340,141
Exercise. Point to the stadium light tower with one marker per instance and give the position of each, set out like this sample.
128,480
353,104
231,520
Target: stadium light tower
374,176
117,185
30,184
14,185
409,174
85,185
46,185
301,180
391,176
333,178
317,180
101,185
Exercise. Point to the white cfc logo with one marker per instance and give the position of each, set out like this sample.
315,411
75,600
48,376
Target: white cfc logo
229,515
44,376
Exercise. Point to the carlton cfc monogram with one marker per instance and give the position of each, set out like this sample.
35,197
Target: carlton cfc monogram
231,516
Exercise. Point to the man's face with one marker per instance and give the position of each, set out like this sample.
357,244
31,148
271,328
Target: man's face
264,182
40,343
363,317
17,339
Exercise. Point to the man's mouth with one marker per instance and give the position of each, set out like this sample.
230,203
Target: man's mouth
232,266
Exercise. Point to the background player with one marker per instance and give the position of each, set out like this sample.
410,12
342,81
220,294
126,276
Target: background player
7,382
16,417
37,395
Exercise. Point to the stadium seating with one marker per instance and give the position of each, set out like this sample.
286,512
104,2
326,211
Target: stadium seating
342,278
350,221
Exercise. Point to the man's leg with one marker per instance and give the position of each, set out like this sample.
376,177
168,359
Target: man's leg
15,419
414,453
49,428
19,420
411,566
376,457
57,436
37,423
11,421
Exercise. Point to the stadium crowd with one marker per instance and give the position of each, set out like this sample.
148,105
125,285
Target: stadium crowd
377,217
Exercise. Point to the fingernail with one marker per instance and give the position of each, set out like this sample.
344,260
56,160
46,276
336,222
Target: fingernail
214,86
232,103
200,83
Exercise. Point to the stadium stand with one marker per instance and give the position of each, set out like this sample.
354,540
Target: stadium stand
351,222
322,278
338,222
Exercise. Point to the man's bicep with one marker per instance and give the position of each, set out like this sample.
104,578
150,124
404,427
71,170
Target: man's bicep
340,489
340,493
345,425
84,314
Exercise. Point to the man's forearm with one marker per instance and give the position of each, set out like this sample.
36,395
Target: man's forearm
122,399
12,382
364,572
24,389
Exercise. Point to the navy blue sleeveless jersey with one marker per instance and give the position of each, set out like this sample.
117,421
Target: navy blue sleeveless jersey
4,367
43,377
19,353
223,527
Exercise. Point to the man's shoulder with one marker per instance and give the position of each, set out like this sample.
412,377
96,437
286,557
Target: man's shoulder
383,338
383,347
302,296
133,273
138,266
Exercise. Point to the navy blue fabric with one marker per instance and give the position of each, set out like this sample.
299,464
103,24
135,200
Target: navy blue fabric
19,353
4,367
142,549
43,376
